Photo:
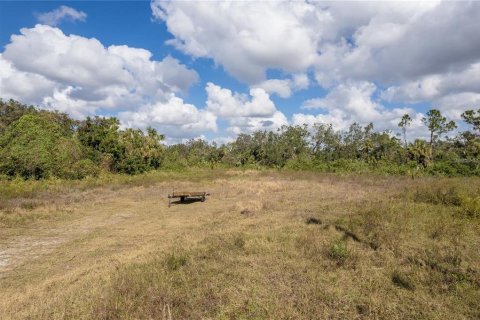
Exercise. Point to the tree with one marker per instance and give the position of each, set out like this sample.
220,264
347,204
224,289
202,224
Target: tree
135,153
352,140
11,111
101,138
292,142
326,141
472,118
241,149
35,146
437,125
384,147
404,123
357,142
420,153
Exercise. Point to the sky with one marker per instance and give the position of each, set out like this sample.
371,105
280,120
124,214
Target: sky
213,70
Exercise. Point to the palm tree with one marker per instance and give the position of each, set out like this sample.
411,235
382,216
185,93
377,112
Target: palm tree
404,123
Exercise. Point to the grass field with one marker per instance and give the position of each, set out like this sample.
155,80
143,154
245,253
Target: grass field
265,245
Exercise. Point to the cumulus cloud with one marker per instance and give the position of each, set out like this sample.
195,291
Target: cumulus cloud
23,86
341,121
284,87
419,51
361,54
81,76
252,124
281,87
174,117
353,98
451,92
245,37
361,41
406,44
62,13
245,114
354,102
227,104
223,140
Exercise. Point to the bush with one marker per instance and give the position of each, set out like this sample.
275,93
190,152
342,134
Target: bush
33,147
175,261
471,206
239,242
446,195
338,251
467,199
302,162
449,168
84,168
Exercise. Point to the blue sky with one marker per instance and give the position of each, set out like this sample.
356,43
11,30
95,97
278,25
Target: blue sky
217,69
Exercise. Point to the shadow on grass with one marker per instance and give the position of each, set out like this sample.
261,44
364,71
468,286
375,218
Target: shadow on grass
186,201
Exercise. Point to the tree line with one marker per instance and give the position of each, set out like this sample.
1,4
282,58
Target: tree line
40,144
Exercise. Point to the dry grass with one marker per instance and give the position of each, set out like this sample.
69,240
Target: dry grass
265,245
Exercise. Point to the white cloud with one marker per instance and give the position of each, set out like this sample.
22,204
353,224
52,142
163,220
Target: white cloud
353,98
353,102
173,117
341,121
452,92
404,43
453,105
281,87
81,76
176,75
426,52
223,140
300,81
65,59
244,114
245,37
378,41
87,65
226,104
23,86
336,118
55,17
284,87
420,51
252,124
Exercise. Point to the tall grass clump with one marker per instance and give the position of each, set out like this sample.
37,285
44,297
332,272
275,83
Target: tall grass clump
338,251
460,194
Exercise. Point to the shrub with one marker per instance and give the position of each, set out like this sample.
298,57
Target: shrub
446,195
338,251
175,261
239,242
301,162
471,206
85,168
33,146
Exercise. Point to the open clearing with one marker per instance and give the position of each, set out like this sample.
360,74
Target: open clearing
265,245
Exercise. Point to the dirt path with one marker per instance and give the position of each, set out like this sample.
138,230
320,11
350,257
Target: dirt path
16,250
